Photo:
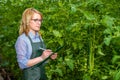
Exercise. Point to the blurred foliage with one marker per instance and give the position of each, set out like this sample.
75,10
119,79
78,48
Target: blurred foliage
89,29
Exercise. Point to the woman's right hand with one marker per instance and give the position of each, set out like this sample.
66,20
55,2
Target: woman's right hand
46,53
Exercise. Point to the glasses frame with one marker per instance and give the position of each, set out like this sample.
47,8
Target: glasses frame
37,20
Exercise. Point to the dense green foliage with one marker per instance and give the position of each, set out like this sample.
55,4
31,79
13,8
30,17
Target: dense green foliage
89,29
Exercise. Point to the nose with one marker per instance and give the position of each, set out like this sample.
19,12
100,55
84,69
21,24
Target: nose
38,22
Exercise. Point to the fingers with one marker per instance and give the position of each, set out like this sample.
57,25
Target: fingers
54,56
46,53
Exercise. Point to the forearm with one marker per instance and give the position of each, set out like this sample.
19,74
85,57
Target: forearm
37,60
34,61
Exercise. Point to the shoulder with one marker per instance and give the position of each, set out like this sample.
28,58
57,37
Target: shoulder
22,38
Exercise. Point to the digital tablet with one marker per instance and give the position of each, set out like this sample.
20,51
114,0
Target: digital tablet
58,49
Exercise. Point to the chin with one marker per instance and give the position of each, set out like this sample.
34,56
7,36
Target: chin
37,29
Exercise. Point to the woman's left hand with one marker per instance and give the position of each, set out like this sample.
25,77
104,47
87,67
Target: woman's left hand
54,56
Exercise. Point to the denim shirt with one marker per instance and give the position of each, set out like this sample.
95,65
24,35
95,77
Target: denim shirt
24,49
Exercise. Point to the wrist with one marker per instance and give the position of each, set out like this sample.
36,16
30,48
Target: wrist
41,59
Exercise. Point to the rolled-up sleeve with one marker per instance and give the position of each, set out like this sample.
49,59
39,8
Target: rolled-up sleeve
21,50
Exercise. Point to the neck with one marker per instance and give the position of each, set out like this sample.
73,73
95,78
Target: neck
33,32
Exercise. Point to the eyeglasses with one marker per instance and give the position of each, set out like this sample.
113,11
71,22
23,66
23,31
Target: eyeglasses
37,20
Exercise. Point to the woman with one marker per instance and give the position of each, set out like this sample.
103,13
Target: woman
29,57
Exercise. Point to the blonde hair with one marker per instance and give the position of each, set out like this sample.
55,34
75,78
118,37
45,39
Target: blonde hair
26,17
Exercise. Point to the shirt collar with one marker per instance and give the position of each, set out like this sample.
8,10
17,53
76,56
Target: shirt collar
33,36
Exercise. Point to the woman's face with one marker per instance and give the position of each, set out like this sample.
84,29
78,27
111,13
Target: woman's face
35,23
